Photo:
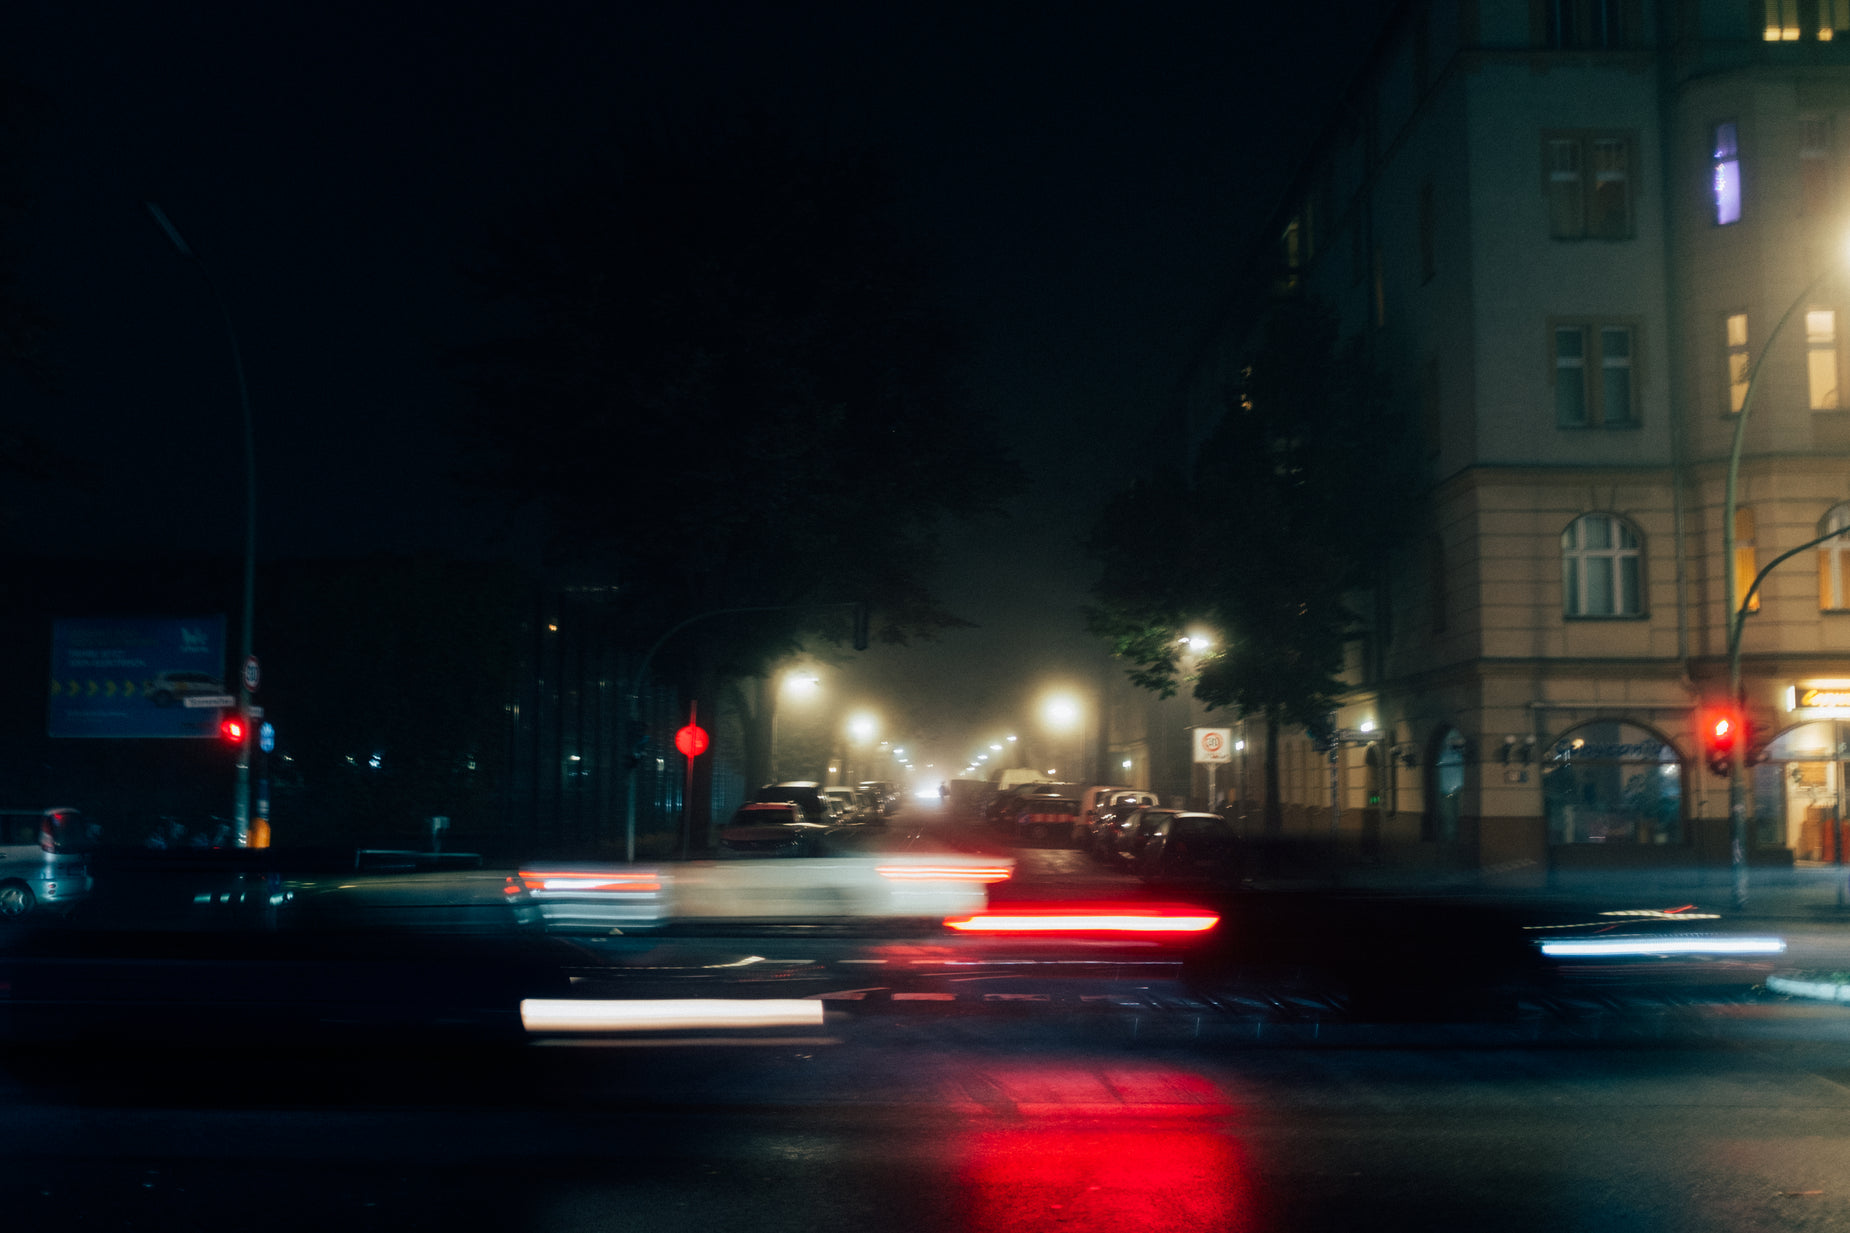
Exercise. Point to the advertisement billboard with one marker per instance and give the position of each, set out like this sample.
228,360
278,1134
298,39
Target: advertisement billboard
137,677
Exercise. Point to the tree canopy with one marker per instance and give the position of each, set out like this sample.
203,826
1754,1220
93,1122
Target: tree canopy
1293,504
726,382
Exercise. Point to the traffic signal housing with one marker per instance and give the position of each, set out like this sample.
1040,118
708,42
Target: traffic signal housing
231,729
1723,730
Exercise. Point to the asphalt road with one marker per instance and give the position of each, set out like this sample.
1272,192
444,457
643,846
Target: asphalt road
949,1087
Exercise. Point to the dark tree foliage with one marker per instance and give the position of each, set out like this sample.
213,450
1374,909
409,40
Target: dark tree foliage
729,385
1295,503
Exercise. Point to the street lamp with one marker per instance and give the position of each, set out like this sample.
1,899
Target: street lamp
241,796
1738,607
798,684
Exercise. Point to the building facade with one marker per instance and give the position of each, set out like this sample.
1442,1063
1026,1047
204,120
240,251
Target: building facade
1584,240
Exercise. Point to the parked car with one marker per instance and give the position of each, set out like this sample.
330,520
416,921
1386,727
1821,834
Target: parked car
805,793
1128,837
1039,818
857,805
772,828
43,860
1189,846
169,688
1100,838
1090,802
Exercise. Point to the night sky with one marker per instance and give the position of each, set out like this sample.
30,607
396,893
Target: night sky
1086,176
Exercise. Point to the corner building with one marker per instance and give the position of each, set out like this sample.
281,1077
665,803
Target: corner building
1581,239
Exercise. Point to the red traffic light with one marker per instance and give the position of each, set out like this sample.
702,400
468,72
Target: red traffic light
231,729
1722,731
691,741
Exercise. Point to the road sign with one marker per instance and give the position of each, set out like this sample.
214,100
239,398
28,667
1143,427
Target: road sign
266,737
1214,745
251,675
208,701
692,741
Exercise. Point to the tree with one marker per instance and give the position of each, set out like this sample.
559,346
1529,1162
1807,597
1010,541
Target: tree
1295,504
727,384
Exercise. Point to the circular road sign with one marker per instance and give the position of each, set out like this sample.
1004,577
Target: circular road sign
1210,741
250,673
691,741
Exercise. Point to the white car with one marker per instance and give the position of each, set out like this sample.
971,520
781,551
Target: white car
858,874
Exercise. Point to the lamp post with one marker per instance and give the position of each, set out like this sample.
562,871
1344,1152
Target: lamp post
241,799
1738,608
798,684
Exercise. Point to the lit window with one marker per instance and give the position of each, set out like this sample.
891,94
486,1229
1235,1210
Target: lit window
1593,376
1579,208
1725,173
1821,357
1600,566
1834,561
1738,365
1745,565
1815,164
1782,20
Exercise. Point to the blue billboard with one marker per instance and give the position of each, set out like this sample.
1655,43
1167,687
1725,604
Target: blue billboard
137,676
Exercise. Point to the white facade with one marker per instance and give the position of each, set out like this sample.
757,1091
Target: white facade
1553,220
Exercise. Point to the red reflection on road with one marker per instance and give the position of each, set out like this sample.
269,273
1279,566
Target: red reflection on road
1156,1168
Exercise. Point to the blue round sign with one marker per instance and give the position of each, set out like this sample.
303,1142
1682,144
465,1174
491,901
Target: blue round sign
266,737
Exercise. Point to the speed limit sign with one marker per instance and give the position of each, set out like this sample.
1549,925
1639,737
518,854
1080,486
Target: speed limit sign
1213,744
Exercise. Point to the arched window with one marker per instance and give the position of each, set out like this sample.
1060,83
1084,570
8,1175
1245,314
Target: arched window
1834,561
1601,568
1613,782
1446,787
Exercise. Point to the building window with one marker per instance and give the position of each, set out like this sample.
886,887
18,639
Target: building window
1821,357
1600,568
1569,24
1735,342
1593,377
1834,561
1815,164
1745,565
1447,788
1612,782
1725,172
1833,20
1429,242
1785,21
1582,206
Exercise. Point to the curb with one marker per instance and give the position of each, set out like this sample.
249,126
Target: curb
1801,985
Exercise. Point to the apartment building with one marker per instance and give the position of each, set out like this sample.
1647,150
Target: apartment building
1583,239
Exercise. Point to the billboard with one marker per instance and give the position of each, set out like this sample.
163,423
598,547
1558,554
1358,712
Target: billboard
137,677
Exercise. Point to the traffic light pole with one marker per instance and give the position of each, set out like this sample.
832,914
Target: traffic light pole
241,792
630,721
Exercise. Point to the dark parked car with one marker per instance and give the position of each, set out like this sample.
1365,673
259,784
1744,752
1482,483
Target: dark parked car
804,793
1187,846
771,828
1100,838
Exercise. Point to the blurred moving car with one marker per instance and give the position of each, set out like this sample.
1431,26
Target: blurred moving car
849,873
43,860
1187,846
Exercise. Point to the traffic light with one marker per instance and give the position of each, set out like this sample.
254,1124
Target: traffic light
231,729
1723,729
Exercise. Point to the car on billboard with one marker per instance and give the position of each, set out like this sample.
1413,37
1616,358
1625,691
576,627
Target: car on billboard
173,688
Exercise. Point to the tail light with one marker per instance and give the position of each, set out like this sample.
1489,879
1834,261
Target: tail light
585,882
1138,919
946,873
